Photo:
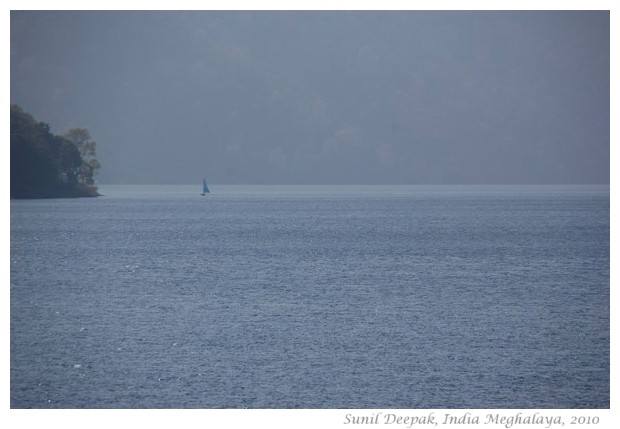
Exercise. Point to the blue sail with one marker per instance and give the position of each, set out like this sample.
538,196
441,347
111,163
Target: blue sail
205,188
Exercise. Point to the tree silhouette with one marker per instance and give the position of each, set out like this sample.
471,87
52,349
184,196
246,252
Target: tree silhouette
44,165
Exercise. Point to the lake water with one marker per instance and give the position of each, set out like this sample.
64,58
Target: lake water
312,297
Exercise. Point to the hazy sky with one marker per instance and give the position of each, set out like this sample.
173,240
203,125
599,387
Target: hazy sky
324,97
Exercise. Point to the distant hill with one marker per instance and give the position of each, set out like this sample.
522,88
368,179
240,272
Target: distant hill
44,165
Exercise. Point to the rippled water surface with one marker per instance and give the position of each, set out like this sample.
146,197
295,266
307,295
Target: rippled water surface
312,297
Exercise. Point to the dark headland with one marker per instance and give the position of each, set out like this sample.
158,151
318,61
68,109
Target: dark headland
45,165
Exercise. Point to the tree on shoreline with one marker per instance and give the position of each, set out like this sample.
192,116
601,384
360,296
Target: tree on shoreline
44,165
87,149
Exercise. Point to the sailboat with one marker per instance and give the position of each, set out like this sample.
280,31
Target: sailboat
205,188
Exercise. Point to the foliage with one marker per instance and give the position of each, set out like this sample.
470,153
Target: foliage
44,165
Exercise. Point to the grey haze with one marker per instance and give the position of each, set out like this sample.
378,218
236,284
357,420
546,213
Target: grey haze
324,97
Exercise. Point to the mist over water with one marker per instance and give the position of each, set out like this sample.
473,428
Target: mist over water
324,97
